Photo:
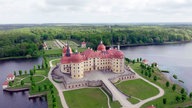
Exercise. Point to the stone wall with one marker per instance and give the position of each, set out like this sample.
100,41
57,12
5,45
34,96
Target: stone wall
82,84
123,77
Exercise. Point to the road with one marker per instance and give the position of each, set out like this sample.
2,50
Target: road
58,86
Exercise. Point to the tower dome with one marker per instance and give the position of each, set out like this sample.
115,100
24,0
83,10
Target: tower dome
101,47
76,58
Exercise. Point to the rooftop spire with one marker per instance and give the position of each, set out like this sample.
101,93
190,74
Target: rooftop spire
68,54
101,42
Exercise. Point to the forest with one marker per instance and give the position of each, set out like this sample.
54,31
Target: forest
27,42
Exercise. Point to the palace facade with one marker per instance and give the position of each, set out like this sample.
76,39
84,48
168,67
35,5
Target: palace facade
76,64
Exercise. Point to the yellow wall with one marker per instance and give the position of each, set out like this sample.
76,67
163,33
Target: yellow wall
77,69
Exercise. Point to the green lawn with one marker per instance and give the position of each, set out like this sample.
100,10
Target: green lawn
115,104
133,100
42,72
53,52
86,98
169,93
35,78
137,88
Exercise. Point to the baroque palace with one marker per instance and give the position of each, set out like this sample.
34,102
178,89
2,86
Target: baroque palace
75,64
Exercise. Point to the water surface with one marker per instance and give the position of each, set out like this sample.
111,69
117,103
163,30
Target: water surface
177,58
18,99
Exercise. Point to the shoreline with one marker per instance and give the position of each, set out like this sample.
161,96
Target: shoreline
16,58
30,96
148,44
123,46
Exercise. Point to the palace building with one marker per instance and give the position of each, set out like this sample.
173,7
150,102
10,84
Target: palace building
76,64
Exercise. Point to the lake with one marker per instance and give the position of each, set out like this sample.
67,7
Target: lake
177,58
18,99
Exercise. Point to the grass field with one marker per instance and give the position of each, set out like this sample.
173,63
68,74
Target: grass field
137,88
86,98
35,78
53,52
169,93
133,100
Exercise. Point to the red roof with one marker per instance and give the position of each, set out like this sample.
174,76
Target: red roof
76,58
6,83
83,42
89,53
10,76
101,47
145,61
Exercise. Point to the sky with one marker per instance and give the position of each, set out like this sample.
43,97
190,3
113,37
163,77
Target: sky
94,11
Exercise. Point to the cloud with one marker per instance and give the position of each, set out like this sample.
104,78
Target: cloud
41,11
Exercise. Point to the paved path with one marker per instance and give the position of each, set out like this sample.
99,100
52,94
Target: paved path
108,99
161,92
117,95
58,86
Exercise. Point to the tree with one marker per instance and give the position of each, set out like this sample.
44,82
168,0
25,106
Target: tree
46,65
10,83
164,100
190,95
31,78
22,82
142,71
138,59
15,73
174,87
149,75
20,72
54,99
51,86
155,78
182,91
34,69
39,88
45,87
31,72
25,72
167,84
183,97
39,67
42,65
177,98
32,87
133,61
146,73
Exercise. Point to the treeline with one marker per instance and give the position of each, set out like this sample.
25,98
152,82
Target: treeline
123,35
16,43
28,41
